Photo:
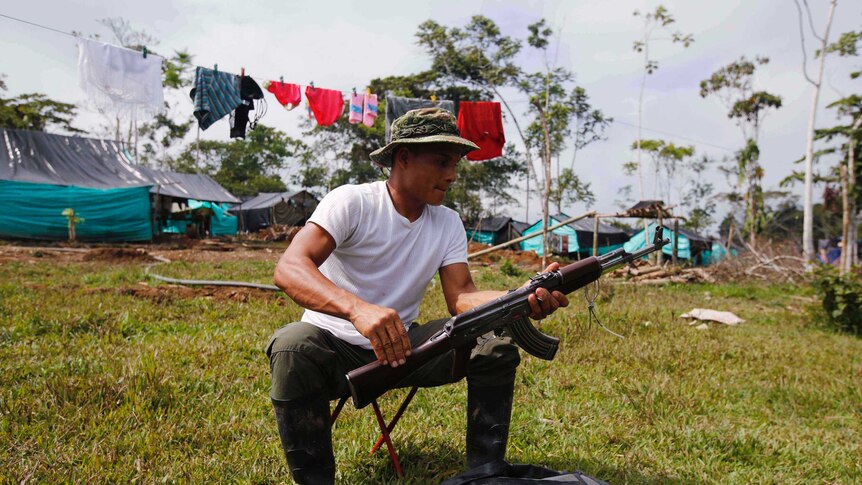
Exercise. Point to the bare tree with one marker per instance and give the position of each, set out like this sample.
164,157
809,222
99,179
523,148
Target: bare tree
808,207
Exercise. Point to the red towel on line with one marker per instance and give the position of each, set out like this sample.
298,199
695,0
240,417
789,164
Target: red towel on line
287,94
482,123
326,104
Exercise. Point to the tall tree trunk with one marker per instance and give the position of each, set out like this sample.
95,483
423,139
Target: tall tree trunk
640,122
527,153
844,261
808,209
546,196
849,256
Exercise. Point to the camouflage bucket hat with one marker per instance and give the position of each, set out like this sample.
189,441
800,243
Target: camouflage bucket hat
423,125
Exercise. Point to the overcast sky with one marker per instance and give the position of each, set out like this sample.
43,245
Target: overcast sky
345,44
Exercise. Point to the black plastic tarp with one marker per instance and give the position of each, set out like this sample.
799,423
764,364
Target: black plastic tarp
608,234
285,208
188,186
34,156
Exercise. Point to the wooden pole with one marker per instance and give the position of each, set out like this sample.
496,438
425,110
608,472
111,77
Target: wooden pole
676,241
659,254
595,236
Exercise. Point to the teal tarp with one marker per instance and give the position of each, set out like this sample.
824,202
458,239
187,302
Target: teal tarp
565,232
222,223
34,211
484,237
717,253
638,242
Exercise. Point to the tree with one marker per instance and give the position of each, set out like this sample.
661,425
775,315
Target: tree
657,22
482,58
35,111
698,196
667,158
569,189
734,85
244,166
807,227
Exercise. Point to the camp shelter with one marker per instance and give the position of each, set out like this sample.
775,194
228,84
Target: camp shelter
575,237
492,230
113,199
42,175
690,245
519,227
269,208
182,199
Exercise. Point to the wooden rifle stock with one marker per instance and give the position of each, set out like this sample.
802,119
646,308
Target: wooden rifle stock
372,380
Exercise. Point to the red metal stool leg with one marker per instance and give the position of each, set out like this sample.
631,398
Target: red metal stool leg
395,419
385,432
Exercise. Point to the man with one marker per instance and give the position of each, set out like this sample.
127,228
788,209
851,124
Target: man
360,268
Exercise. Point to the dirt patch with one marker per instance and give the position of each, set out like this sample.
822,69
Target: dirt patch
171,293
118,255
526,259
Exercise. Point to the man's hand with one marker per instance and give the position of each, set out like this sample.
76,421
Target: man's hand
543,302
383,327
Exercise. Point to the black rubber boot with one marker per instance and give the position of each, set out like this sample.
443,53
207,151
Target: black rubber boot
489,411
305,429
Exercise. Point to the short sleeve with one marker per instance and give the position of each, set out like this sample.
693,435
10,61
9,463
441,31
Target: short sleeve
456,250
338,213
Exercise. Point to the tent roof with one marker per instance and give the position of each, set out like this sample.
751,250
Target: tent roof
269,199
519,226
38,157
188,186
588,225
492,224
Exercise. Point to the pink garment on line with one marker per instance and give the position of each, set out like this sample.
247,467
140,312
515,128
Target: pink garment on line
355,115
370,112
326,104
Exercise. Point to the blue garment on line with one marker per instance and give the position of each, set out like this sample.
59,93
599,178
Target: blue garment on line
216,95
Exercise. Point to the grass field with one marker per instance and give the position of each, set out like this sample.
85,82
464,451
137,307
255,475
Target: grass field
103,379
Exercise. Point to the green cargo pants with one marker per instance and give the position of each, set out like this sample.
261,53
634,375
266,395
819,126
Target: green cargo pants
306,360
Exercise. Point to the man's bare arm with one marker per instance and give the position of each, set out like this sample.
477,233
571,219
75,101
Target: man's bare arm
297,274
461,293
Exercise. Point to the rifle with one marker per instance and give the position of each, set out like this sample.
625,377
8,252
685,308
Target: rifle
508,314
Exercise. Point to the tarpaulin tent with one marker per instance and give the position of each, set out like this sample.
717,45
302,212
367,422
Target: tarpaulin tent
44,174
221,223
576,237
268,208
690,246
492,230
41,175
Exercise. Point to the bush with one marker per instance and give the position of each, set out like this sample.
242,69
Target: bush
842,298
510,269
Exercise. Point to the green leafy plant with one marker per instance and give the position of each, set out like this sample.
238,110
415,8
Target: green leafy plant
842,298
509,269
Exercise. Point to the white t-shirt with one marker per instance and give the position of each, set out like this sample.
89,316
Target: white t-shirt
379,255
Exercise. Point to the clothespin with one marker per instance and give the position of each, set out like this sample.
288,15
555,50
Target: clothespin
281,78
242,71
368,91
215,67
312,85
145,52
434,97
354,91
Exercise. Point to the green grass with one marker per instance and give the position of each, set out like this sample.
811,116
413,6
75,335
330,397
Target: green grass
100,385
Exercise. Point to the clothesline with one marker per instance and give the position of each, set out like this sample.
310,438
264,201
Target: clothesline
263,80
